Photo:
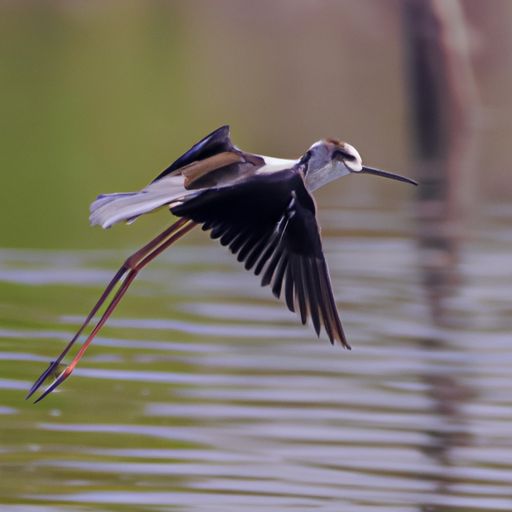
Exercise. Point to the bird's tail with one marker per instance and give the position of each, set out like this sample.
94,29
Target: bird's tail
108,209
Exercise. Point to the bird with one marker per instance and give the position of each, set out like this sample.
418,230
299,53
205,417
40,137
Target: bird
260,207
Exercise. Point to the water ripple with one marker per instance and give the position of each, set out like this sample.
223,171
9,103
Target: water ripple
204,393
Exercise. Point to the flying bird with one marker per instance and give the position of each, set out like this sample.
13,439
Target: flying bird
260,207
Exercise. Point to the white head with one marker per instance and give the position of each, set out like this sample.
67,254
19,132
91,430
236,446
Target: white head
329,159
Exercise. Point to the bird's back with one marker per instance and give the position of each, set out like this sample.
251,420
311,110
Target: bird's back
213,162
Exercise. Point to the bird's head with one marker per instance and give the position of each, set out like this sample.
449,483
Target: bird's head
329,159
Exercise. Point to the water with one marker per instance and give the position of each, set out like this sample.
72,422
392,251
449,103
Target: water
204,393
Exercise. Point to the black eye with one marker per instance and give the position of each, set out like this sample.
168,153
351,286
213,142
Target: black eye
306,157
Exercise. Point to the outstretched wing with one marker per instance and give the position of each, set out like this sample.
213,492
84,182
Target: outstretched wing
213,161
269,222
219,141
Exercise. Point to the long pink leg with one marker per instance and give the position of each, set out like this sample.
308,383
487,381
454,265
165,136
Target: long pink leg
130,268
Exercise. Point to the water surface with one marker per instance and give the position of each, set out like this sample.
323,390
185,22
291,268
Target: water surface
204,393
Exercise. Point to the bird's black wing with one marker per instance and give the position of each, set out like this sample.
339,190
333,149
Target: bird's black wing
269,222
218,141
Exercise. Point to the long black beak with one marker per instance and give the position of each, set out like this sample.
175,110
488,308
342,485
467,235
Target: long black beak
385,174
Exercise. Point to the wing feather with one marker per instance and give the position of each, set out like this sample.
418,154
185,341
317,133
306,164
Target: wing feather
312,295
277,283
300,295
266,254
256,253
269,223
218,141
214,160
288,288
271,266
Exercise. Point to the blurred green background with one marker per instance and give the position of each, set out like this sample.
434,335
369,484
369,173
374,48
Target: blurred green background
99,96
202,392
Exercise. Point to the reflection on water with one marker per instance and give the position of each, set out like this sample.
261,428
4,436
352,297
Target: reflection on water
203,393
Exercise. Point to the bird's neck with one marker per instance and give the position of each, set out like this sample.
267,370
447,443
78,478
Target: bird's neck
316,178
